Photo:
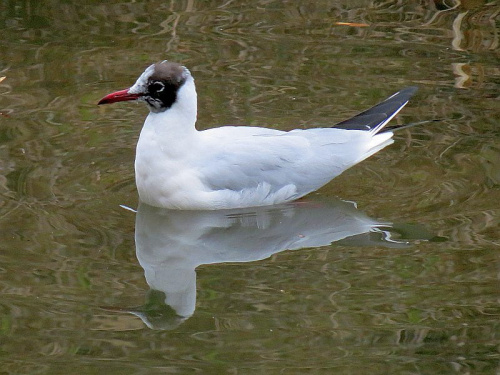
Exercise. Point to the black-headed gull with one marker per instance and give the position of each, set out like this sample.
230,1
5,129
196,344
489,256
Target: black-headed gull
179,167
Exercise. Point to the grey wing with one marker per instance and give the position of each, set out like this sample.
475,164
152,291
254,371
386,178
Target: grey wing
304,159
245,164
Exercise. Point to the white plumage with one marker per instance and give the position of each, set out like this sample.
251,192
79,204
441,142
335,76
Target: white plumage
179,167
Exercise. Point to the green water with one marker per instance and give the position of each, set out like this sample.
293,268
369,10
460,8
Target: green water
410,284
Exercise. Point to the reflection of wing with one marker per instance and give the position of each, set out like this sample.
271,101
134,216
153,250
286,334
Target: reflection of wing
194,238
260,234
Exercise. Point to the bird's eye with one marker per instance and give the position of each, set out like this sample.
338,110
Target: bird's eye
157,87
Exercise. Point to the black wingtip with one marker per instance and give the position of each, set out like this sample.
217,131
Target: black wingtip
378,115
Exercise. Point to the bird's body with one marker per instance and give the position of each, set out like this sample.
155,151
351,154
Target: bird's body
179,167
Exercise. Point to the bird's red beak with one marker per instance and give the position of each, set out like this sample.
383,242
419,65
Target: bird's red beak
119,96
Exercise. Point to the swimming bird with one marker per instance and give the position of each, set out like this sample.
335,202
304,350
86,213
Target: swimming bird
179,167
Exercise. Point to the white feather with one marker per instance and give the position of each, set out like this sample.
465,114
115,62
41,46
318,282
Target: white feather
178,167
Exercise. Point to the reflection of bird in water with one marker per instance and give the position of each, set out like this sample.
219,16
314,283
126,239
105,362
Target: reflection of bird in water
178,167
171,244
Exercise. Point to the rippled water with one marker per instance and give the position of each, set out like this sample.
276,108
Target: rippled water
410,281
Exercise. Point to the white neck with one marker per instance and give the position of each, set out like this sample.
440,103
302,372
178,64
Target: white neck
168,139
181,116
171,129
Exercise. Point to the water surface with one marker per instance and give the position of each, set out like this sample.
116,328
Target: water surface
407,282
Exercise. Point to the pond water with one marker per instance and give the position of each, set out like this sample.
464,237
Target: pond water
393,267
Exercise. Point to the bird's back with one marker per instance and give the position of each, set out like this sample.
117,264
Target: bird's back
245,166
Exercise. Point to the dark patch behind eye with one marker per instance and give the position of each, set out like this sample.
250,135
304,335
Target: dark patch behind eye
172,76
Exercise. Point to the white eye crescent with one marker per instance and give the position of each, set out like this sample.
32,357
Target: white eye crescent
157,86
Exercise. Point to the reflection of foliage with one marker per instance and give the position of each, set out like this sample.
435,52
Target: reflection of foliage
1,113
490,160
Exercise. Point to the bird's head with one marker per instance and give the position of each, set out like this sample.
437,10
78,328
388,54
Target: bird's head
159,86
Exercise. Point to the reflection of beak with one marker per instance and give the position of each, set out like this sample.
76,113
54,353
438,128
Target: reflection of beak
119,96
